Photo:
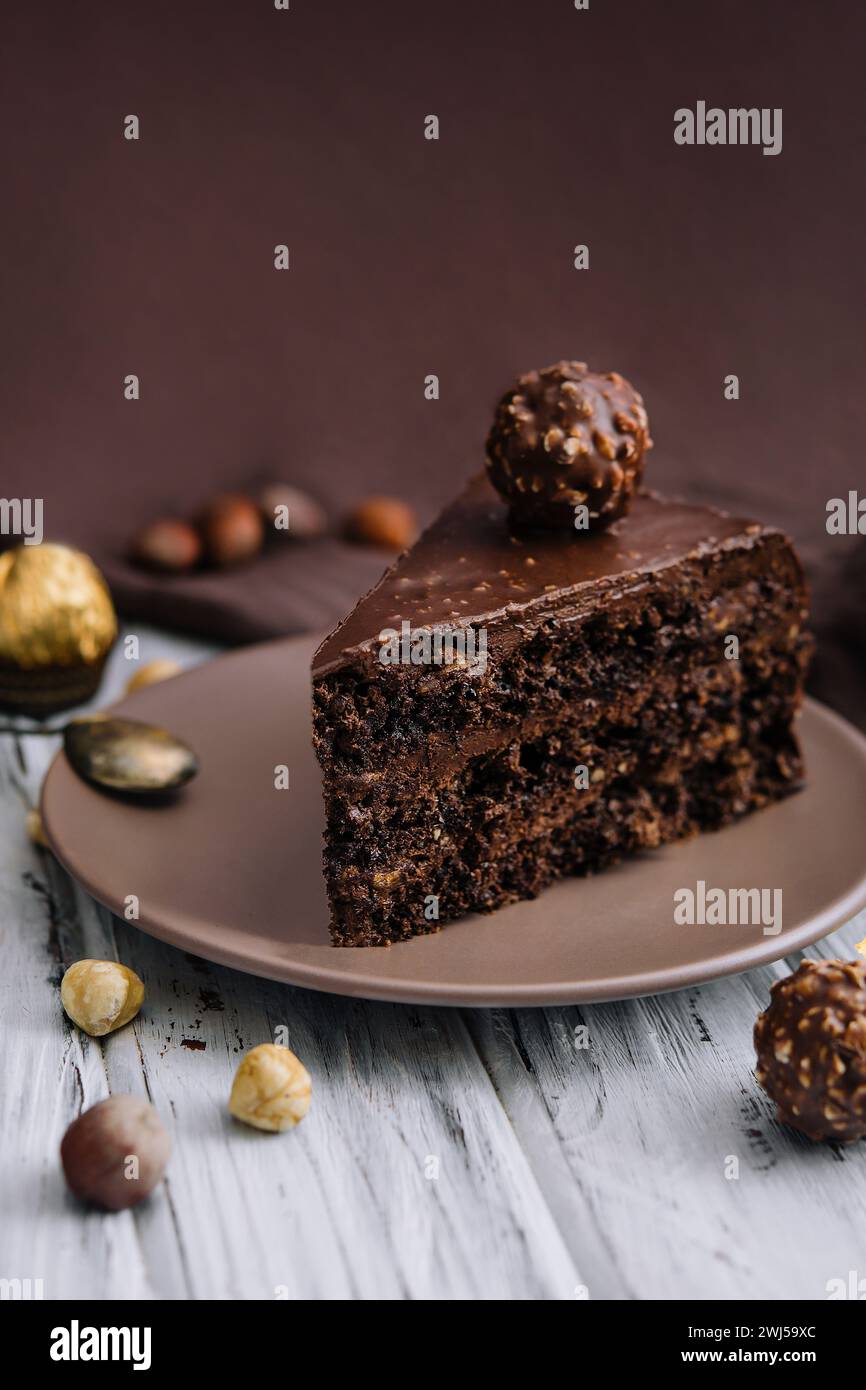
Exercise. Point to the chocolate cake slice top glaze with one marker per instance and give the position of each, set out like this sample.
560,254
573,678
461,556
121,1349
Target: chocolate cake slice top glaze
469,569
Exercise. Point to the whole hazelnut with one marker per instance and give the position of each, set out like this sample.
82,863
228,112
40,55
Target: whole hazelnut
292,513
101,995
271,1089
169,545
151,673
115,1153
384,521
36,830
232,530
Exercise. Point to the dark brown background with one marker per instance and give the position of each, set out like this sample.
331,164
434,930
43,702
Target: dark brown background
410,257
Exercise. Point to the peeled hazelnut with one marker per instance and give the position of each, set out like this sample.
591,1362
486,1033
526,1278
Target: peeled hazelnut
151,673
232,530
271,1089
169,545
35,829
115,1153
384,521
292,513
101,995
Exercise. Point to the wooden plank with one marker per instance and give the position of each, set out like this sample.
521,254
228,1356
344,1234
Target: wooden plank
50,1071
405,1180
631,1140
343,1207
419,1172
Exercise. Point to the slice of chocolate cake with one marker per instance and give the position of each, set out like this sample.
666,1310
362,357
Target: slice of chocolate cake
508,706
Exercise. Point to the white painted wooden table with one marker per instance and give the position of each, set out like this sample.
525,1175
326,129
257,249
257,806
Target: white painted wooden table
448,1154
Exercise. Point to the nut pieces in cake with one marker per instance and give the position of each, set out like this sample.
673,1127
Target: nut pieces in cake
566,448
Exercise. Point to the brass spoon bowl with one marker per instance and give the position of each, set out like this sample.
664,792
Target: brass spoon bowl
124,755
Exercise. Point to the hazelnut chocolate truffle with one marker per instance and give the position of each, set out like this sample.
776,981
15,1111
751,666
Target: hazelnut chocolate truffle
811,1046
566,437
57,626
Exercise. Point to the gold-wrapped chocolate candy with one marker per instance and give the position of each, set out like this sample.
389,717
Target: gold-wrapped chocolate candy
57,626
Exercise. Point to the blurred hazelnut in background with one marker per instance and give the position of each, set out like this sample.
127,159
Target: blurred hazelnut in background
232,530
382,521
151,674
115,1153
171,545
289,512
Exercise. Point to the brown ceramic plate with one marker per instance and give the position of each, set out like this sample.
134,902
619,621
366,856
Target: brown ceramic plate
231,870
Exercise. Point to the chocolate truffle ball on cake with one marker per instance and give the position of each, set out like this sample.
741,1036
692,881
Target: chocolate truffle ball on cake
566,437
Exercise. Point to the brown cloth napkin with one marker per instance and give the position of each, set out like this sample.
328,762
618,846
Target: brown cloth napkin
292,587
411,257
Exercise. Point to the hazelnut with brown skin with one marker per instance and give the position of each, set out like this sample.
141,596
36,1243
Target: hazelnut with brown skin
170,545
232,530
382,521
290,512
811,1046
566,437
115,1153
